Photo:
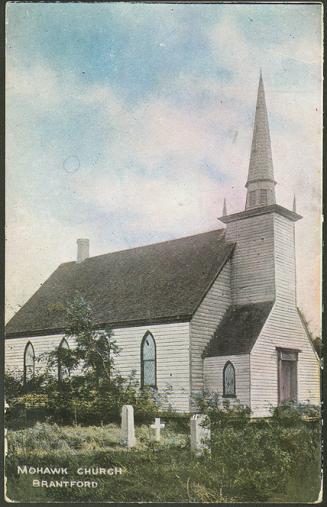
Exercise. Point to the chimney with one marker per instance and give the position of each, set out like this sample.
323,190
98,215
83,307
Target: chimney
82,249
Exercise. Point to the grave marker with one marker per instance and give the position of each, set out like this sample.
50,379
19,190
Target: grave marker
127,431
157,426
199,434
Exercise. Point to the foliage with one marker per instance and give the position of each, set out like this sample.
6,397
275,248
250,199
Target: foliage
90,390
95,349
292,413
316,340
13,385
44,437
222,412
256,462
257,456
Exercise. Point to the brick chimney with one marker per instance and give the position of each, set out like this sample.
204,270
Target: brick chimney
82,250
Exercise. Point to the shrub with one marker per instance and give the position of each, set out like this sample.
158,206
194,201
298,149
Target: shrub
253,463
94,397
257,458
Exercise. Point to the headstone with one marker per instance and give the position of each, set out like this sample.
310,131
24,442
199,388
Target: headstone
127,432
200,434
157,426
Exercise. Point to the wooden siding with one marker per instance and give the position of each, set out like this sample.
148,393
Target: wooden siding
15,348
253,277
205,321
173,349
284,258
213,375
282,329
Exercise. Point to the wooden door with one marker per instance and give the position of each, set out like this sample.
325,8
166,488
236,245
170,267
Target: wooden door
287,381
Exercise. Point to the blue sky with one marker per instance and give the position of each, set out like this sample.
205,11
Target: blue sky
129,124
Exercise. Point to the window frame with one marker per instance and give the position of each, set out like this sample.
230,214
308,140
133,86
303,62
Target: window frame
225,395
154,386
28,344
63,340
294,361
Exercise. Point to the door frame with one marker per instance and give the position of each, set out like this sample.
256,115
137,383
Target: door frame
280,351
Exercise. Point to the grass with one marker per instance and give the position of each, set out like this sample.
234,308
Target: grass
152,472
44,438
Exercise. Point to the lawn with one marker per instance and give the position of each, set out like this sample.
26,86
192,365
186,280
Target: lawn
152,472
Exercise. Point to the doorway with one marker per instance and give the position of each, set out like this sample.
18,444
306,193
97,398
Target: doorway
287,375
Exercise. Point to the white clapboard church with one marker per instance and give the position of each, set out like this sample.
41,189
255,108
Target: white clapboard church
214,311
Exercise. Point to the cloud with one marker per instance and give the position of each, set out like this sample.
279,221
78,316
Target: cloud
39,86
160,166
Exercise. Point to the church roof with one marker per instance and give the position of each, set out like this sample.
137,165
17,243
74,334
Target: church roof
238,329
162,282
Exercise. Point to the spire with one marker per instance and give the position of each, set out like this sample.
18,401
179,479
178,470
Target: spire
224,208
260,183
294,203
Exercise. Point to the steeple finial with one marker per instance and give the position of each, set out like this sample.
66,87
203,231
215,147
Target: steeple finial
224,208
294,203
260,183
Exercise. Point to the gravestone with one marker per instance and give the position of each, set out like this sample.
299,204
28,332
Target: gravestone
199,434
127,431
157,426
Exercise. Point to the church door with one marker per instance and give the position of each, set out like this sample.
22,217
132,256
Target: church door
287,376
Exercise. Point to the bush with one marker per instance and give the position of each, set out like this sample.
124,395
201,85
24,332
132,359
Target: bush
253,463
258,458
94,397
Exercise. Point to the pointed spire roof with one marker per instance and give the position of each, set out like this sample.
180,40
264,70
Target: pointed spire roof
294,203
261,165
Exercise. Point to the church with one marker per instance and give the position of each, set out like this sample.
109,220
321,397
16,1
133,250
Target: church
216,311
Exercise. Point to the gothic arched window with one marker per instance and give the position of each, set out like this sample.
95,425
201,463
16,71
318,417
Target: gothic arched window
29,362
63,371
148,361
229,380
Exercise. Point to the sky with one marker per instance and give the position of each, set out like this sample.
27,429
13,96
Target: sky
129,124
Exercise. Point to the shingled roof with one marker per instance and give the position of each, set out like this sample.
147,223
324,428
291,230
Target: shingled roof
160,282
238,330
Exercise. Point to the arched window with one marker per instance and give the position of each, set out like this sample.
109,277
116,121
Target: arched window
148,361
29,362
229,380
63,371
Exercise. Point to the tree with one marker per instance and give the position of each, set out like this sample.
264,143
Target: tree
316,341
95,349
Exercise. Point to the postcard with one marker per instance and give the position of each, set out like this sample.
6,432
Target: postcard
163,252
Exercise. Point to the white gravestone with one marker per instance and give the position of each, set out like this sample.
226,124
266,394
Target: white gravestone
157,426
127,432
200,434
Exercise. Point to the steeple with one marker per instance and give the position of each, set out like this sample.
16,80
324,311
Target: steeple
260,183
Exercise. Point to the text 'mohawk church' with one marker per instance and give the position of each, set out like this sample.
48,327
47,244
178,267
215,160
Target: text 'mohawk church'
216,311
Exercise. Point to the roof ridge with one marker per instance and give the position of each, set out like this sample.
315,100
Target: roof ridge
161,279
222,229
